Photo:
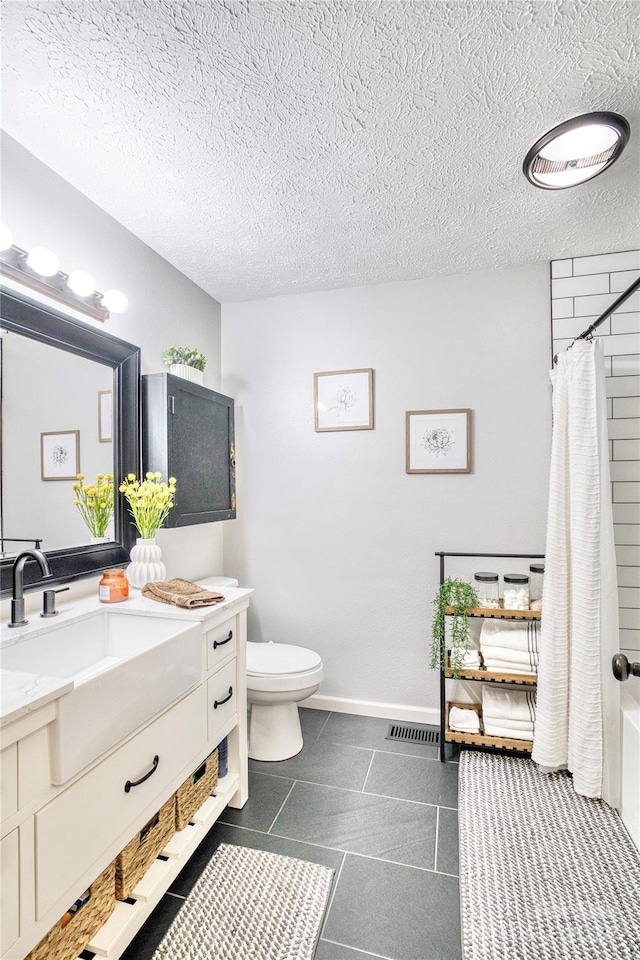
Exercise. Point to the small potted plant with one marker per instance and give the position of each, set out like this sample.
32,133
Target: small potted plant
186,362
458,597
95,503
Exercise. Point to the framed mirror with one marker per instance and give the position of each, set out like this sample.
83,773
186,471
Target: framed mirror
70,404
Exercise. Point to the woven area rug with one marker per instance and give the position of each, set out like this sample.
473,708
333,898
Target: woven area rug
250,905
544,874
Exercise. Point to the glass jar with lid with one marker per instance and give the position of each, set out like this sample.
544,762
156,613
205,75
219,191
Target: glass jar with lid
536,577
487,588
114,587
516,591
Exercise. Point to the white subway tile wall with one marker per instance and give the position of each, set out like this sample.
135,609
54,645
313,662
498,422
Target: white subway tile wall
581,289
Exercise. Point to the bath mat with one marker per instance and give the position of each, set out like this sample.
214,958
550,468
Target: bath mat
544,874
250,905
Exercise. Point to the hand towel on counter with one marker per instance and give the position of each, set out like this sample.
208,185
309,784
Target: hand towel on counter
181,593
508,704
492,731
463,720
513,636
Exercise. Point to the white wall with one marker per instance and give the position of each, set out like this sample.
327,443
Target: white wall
165,308
335,537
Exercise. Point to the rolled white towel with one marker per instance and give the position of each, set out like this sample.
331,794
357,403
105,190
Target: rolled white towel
508,704
463,720
527,657
514,636
471,659
503,666
492,731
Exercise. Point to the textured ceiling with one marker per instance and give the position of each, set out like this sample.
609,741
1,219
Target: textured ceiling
268,148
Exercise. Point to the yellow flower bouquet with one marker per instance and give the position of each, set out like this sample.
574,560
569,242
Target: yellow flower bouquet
149,501
95,502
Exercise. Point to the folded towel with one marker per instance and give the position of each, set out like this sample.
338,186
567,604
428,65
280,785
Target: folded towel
493,731
508,704
181,593
526,657
471,659
463,720
503,666
514,636
525,725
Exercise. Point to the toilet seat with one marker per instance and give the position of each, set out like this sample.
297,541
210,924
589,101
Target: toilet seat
281,666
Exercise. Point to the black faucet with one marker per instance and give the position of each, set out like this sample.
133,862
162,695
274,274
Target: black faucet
17,600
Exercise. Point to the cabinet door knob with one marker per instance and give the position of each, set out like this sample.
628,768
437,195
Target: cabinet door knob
136,783
221,643
622,669
218,703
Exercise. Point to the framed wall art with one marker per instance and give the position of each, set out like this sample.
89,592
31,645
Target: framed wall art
343,400
438,441
60,455
105,416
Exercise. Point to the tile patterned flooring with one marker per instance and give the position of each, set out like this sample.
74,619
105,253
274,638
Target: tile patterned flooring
382,814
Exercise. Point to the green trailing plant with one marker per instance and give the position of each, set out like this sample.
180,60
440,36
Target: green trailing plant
460,597
187,355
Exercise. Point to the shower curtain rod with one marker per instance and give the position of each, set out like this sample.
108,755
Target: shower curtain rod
603,316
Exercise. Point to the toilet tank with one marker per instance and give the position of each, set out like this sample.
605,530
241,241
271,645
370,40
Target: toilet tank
218,583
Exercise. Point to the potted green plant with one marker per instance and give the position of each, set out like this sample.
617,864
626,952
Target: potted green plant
458,597
186,362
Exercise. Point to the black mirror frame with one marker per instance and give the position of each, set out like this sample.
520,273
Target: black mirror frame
31,319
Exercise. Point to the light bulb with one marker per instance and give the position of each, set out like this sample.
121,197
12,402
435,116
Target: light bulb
6,237
43,261
81,283
115,301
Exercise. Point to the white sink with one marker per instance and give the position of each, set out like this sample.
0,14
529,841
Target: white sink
125,668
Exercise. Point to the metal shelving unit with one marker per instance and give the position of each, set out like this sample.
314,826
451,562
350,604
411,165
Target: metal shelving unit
481,741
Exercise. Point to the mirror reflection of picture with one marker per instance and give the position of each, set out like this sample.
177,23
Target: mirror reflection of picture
344,400
105,416
60,455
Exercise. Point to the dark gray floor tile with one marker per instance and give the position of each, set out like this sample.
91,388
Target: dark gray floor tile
312,721
319,761
447,845
413,778
371,732
395,911
225,833
266,796
335,951
144,944
374,826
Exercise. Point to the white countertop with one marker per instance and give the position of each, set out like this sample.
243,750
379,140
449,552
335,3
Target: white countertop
22,693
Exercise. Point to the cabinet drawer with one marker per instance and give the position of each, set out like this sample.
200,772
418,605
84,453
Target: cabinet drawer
77,827
222,698
221,641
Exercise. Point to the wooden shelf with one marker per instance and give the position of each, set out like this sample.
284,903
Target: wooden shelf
481,740
498,613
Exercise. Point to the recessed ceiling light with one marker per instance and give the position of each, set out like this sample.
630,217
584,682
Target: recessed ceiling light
576,150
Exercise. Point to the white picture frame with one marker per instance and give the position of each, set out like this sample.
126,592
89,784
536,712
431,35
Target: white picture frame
438,441
343,400
105,416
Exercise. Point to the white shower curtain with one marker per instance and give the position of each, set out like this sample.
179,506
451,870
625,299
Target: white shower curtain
578,716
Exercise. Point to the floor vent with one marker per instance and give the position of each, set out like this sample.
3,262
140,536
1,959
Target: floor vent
413,733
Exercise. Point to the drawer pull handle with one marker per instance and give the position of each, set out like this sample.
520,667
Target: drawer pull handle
218,703
136,783
221,643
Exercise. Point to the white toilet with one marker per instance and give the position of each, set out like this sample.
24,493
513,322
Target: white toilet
279,676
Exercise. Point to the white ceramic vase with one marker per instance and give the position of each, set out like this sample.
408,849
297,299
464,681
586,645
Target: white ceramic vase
187,373
146,563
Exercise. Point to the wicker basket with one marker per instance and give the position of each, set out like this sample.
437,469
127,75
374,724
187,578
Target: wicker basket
133,862
69,937
195,790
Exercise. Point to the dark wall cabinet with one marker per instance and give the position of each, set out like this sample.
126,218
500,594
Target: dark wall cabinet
188,433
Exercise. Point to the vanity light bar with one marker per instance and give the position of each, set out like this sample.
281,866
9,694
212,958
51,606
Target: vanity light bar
14,264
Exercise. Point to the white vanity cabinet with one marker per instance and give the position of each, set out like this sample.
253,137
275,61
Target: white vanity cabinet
56,840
